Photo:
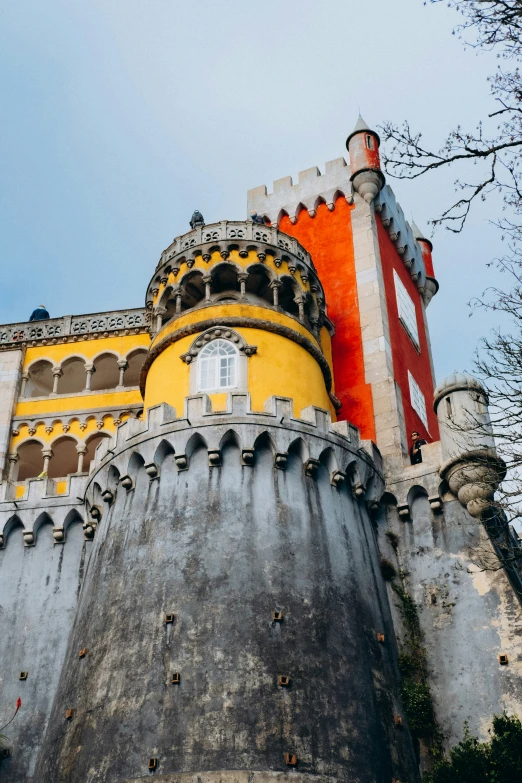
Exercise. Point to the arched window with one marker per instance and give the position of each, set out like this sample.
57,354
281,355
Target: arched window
218,366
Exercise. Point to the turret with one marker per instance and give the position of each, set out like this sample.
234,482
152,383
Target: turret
470,462
431,285
363,146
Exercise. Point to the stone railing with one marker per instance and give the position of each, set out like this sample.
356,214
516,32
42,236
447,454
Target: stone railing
73,327
233,231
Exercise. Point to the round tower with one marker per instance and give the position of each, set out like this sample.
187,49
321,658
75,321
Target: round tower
470,462
365,164
431,285
233,621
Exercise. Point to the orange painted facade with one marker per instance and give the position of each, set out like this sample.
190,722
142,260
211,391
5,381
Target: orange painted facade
328,237
405,354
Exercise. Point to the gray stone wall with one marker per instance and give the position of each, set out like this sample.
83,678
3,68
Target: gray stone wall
205,526
468,616
39,589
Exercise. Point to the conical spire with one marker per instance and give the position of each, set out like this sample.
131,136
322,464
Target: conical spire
360,125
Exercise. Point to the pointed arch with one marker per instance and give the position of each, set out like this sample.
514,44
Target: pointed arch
282,214
230,438
318,201
300,449
72,518
11,524
42,519
265,441
196,441
164,449
328,458
136,462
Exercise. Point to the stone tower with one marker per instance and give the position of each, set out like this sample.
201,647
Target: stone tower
233,604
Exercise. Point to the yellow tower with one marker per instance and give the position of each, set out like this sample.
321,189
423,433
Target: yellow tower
238,307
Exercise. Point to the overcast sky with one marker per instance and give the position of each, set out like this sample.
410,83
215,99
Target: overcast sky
120,117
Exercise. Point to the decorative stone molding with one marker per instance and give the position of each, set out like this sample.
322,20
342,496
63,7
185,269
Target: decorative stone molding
217,333
231,321
70,329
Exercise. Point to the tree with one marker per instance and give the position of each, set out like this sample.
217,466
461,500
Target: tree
496,761
494,147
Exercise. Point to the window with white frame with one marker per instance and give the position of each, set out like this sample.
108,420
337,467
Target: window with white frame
406,308
418,403
218,366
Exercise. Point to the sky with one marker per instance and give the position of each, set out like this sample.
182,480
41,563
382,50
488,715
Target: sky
120,117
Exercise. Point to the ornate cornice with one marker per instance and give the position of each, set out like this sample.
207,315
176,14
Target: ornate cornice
231,321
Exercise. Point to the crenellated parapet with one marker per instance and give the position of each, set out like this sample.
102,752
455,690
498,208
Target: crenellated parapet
311,190
41,505
402,235
313,437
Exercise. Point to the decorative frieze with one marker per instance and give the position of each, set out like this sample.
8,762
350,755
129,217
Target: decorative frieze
72,328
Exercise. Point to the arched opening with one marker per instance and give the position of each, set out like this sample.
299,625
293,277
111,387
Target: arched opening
224,280
64,459
91,444
192,291
258,283
40,383
30,460
106,374
73,376
287,297
132,373
218,366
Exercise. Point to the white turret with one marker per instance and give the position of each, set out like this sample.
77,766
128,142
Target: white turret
471,465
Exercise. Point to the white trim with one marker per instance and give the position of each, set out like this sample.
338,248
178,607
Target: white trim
406,308
417,400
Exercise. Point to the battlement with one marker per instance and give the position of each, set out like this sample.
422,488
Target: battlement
314,436
312,189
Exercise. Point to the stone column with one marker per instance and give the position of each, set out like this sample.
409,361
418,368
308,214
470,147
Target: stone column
207,279
25,378
178,303
57,374
81,450
122,364
47,455
159,312
89,370
13,459
242,278
275,285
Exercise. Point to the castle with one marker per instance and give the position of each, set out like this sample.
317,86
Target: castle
210,523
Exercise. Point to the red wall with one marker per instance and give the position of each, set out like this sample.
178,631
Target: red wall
405,355
328,237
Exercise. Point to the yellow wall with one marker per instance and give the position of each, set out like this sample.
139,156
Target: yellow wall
64,405
280,366
88,349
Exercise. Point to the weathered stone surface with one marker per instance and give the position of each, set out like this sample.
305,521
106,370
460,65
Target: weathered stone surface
257,540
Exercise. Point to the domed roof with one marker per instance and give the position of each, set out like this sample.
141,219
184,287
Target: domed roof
455,382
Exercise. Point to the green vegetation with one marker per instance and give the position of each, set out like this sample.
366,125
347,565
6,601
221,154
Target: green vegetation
388,569
496,761
416,694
